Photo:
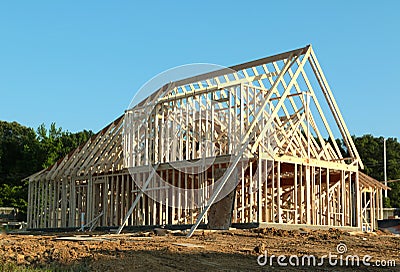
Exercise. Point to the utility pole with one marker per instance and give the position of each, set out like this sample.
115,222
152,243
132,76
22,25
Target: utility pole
384,164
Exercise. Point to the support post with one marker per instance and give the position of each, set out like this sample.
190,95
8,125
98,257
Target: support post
140,194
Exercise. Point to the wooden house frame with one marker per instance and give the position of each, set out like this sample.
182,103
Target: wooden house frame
270,144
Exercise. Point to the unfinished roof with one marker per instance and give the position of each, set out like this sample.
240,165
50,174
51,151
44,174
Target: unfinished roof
286,87
369,182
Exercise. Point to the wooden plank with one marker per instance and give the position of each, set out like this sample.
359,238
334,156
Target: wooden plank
328,201
251,190
312,162
64,203
343,195
334,108
296,192
312,195
320,201
140,194
29,208
34,206
266,212
273,196
104,201
50,204
112,200
123,196
308,196
279,193
259,188
283,96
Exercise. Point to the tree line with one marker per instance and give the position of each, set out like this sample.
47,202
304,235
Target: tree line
25,151
370,149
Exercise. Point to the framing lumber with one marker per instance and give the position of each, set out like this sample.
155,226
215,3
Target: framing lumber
258,125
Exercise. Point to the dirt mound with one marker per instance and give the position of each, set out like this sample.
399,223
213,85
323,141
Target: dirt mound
206,250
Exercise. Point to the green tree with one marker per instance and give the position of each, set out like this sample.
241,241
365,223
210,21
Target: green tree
57,143
24,152
19,153
370,149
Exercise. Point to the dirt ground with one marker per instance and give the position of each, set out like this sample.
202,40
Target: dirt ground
234,250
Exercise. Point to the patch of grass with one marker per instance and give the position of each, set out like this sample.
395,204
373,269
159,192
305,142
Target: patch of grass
11,267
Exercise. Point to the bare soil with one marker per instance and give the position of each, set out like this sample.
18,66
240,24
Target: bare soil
234,250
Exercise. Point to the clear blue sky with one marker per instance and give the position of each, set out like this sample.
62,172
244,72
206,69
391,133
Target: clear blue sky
79,63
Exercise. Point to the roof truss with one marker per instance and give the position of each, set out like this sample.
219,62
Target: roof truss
268,99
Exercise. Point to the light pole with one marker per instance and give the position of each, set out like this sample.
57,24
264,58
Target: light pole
384,164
